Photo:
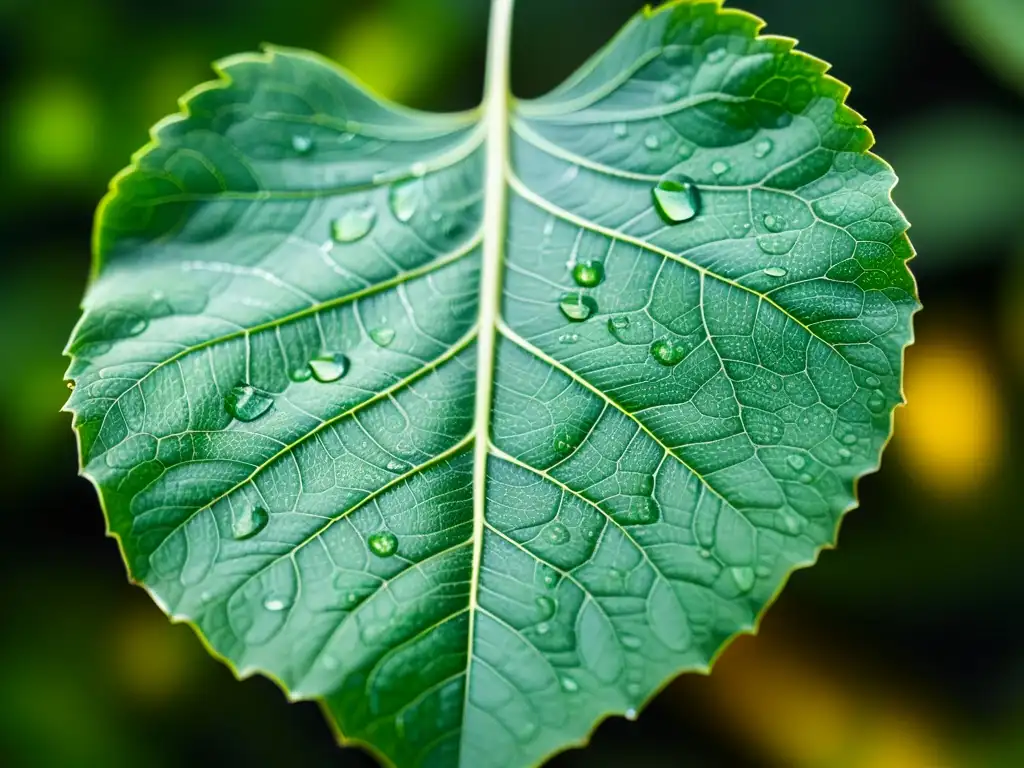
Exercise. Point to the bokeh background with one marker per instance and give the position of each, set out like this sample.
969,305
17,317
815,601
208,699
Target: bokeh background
901,649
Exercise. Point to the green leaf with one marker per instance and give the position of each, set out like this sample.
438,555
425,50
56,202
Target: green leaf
478,428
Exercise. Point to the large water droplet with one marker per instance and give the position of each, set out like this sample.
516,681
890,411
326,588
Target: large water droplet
547,607
569,685
329,367
876,403
246,403
383,543
405,199
557,533
249,523
577,307
763,148
273,604
302,144
382,337
667,352
652,141
630,714
396,466
744,577
677,198
773,223
776,271
354,224
719,167
588,274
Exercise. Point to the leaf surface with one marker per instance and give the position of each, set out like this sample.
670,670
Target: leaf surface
686,308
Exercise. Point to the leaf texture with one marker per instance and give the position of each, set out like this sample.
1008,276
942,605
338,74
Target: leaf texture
277,364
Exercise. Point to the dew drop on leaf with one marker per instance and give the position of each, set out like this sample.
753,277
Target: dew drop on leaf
246,403
618,326
382,337
876,403
547,607
773,223
405,198
652,141
383,543
872,381
302,144
396,466
300,373
569,685
845,454
620,130
557,533
776,271
354,224
667,352
543,628
577,307
849,438
677,198
329,367
274,604
250,522
630,714
796,461
763,148
588,274
631,642
418,169
744,577
719,167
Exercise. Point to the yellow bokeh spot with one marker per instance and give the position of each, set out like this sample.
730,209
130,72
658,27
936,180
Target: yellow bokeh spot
383,54
950,435
54,127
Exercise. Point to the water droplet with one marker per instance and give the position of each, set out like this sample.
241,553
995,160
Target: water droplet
382,337
383,543
806,479
577,307
719,167
763,148
618,326
547,607
543,628
300,373
776,271
249,523
705,553
845,454
631,642
329,367
569,685
876,403
669,92
274,605
744,577
773,223
717,55
557,533
396,466
246,403
302,144
405,199
677,198
849,438
630,714
620,129
354,224
793,523
652,142
588,274
667,352
569,338
549,580
418,169
872,381
796,461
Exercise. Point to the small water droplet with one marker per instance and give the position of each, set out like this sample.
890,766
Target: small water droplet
719,167
549,580
630,714
705,553
620,130
383,543
631,642
773,223
543,628
329,367
669,92
569,338
849,438
776,271
872,381
382,337
717,55
396,466
806,479
763,148
302,144
845,454
300,373
246,403
577,307
588,274
618,327
796,461
677,198
667,352
354,224
569,685
652,142
274,605
547,607
557,533
549,227
876,403
249,523
405,198
744,577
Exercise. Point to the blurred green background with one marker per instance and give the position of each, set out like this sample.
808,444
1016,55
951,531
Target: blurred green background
901,649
